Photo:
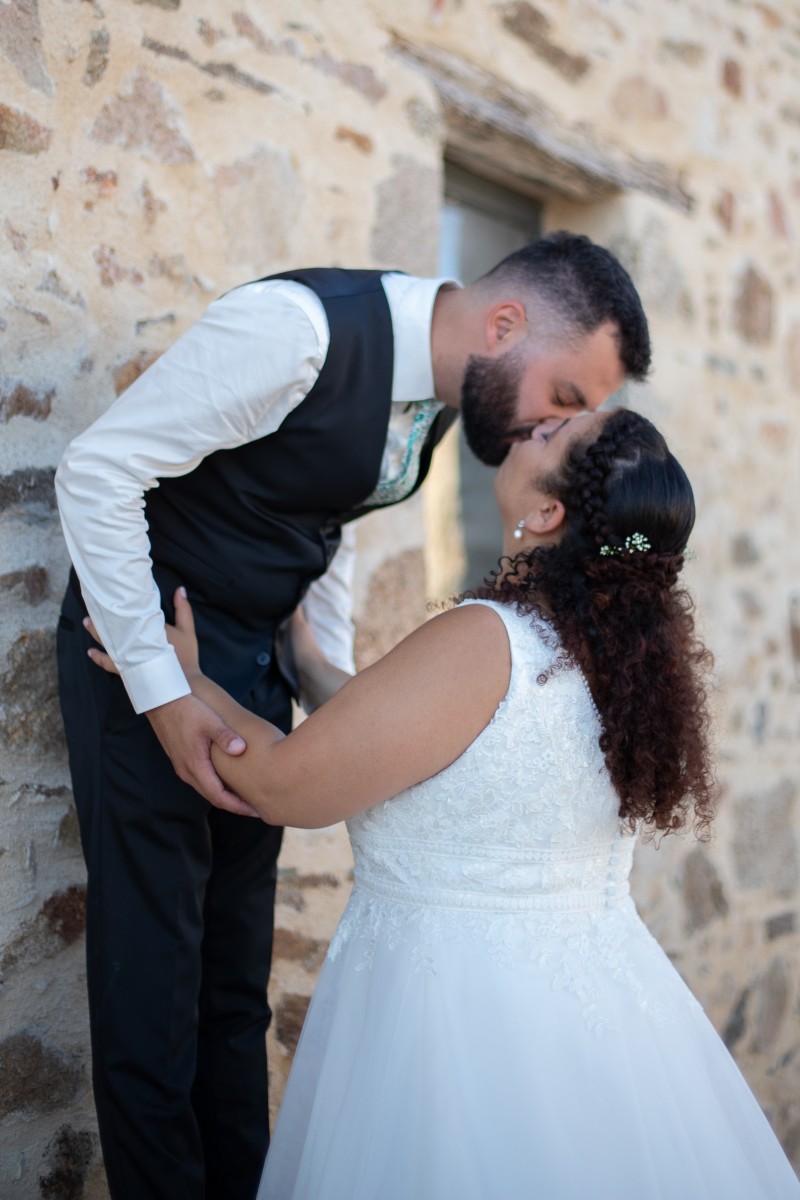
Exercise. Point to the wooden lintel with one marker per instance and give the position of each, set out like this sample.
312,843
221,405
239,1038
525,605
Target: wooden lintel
515,138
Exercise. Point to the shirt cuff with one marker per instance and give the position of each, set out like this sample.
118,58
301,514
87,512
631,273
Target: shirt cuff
156,682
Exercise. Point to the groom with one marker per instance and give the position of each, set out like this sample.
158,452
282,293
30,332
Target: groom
234,466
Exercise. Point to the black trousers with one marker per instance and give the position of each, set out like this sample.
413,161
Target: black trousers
180,909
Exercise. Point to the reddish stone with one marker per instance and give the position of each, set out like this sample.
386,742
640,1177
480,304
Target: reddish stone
30,693
533,27
35,1078
210,33
59,922
69,1156
771,18
317,879
151,205
246,27
22,133
753,307
128,372
292,887
289,1020
794,632
295,947
104,181
725,209
141,116
355,75
30,487
39,317
112,271
17,399
360,140
18,240
778,220
64,913
34,580
732,77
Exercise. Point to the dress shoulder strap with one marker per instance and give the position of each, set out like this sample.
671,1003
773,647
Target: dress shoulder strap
533,643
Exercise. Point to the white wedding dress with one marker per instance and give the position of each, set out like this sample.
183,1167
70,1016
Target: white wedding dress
493,1020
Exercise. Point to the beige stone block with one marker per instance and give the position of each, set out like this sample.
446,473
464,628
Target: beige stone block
259,198
764,843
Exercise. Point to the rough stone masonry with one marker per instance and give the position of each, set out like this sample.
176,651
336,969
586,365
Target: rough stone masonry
154,153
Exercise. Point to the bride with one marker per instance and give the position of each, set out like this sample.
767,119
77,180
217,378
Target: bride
493,1021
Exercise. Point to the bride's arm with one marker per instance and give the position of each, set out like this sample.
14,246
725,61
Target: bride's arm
398,722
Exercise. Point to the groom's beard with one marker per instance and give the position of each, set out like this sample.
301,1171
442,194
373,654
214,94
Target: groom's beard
489,393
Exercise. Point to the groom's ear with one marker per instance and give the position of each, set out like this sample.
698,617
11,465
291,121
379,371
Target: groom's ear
506,322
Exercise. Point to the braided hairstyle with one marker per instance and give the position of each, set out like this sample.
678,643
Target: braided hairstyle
623,618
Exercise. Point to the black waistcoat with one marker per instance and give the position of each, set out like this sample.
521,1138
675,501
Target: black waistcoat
248,529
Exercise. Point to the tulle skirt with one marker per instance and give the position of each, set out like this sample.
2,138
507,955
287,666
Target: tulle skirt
452,1072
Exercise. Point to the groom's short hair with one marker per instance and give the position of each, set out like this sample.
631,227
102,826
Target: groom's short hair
583,286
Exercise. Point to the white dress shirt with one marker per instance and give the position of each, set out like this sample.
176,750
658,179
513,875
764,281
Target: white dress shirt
233,377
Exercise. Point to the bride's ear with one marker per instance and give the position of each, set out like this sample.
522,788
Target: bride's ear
547,518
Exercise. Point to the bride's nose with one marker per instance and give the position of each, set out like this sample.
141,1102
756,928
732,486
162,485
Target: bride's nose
545,428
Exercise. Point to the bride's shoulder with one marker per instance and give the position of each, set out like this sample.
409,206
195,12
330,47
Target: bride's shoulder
526,630
470,620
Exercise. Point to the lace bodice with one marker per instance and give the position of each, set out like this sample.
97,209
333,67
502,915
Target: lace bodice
516,847
526,818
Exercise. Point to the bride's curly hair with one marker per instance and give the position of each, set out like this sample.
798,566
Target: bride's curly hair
624,619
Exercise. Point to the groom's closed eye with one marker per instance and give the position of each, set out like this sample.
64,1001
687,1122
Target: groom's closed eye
569,395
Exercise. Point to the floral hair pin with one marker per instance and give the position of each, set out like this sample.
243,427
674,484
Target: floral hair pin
635,543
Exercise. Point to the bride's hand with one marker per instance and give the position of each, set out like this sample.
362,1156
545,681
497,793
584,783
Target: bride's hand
181,636
318,678
305,646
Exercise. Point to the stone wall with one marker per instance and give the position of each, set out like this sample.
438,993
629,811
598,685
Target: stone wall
155,152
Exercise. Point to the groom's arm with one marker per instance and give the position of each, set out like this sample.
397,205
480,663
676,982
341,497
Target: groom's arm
233,377
328,605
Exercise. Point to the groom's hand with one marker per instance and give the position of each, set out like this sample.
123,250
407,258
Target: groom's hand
186,729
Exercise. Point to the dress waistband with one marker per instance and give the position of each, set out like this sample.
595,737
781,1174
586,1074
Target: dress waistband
495,878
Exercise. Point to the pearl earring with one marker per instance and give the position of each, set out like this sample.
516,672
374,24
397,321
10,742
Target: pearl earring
518,530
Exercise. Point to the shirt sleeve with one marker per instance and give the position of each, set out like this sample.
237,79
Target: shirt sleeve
234,376
328,605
